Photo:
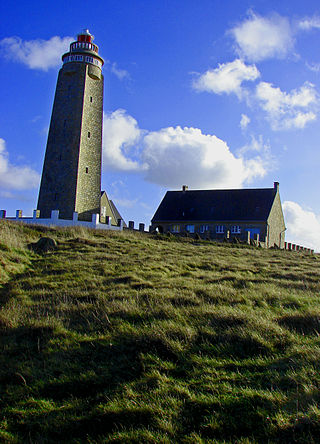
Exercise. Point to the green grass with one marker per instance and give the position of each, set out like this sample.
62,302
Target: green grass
130,338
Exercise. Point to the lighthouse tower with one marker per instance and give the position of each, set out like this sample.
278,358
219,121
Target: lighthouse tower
71,176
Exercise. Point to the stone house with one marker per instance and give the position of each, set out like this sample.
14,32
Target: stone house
108,209
219,214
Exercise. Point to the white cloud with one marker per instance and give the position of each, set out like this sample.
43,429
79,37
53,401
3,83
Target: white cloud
257,166
118,72
227,78
178,155
315,67
244,122
120,132
36,54
126,203
256,144
175,155
303,226
15,177
259,38
287,110
309,23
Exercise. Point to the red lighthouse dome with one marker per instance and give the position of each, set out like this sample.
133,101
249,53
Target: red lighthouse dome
85,36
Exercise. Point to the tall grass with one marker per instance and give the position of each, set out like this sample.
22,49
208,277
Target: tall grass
124,337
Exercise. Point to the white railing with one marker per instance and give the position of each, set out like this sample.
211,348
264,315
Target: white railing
83,45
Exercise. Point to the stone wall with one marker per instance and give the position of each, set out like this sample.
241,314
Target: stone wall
105,210
65,185
276,234
89,168
212,233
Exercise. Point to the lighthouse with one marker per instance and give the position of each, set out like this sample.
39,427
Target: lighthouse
71,176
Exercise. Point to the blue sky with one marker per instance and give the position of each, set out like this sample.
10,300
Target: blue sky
208,93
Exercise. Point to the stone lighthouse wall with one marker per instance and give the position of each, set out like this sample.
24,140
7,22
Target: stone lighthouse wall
71,175
89,169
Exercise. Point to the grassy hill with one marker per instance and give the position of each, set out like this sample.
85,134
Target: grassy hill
131,338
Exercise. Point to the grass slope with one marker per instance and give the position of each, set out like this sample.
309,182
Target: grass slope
123,337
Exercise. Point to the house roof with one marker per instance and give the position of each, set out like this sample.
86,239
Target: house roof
220,205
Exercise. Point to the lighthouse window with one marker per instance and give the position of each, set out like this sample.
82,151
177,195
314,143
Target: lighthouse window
89,134
91,99
87,170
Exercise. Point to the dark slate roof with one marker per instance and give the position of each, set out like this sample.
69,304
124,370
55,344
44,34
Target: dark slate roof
219,205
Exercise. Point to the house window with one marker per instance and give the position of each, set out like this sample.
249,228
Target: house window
89,134
103,211
175,229
220,229
190,228
235,229
87,170
204,228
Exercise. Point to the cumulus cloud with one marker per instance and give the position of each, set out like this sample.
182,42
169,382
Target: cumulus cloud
227,78
309,23
36,54
15,177
287,110
259,38
178,155
244,122
175,155
303,226
45,54
120,134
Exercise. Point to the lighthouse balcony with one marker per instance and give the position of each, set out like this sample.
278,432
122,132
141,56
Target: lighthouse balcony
83,45
82,58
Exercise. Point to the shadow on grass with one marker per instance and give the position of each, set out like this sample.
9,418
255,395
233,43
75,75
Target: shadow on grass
305,324
54,427
98,367
237,417
303,430
20,348
90,374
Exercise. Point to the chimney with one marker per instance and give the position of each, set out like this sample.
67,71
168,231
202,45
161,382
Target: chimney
276,185
184,188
